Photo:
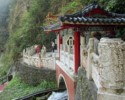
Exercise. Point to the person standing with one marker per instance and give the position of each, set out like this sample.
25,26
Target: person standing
37,47
53,46
43,51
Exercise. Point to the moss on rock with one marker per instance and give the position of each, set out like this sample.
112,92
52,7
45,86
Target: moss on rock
85,89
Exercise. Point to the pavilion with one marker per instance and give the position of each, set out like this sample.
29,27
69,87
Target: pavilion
72,33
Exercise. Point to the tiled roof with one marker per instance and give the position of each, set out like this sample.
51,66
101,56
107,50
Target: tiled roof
93,15
97,6
92,20
86,15
91,7
54,27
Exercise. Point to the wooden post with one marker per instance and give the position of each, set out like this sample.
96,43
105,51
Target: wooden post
59,43
76,50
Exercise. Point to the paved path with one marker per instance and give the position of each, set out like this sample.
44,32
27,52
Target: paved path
2,86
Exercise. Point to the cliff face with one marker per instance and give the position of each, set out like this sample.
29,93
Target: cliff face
17,9
4,20
11,13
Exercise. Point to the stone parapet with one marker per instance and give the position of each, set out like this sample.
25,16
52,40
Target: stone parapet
103,95
111,69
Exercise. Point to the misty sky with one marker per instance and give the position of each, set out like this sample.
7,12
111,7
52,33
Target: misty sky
4,4
4,7
4,12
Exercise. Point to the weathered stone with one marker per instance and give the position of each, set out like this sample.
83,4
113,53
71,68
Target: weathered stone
85,89
103,95
111,67
89,62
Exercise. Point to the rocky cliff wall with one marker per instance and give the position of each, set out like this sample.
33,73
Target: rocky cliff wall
33,75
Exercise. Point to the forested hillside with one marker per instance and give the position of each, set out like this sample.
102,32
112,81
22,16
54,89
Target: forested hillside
27,17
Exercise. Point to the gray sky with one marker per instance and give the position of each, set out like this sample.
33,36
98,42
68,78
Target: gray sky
4,2
4,6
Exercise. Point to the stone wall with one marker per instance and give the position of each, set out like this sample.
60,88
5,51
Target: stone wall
33,75
85,89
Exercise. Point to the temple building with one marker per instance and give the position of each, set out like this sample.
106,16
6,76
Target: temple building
76,49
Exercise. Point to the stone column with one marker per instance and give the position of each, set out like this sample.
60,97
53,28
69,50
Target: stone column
111,69
89,59
123,51
82,48
82,40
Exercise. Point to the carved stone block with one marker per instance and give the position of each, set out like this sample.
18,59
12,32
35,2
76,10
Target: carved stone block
111,69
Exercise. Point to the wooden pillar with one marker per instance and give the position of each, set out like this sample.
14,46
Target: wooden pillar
76,50
59,43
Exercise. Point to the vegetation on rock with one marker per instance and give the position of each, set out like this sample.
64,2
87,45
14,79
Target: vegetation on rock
16,88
